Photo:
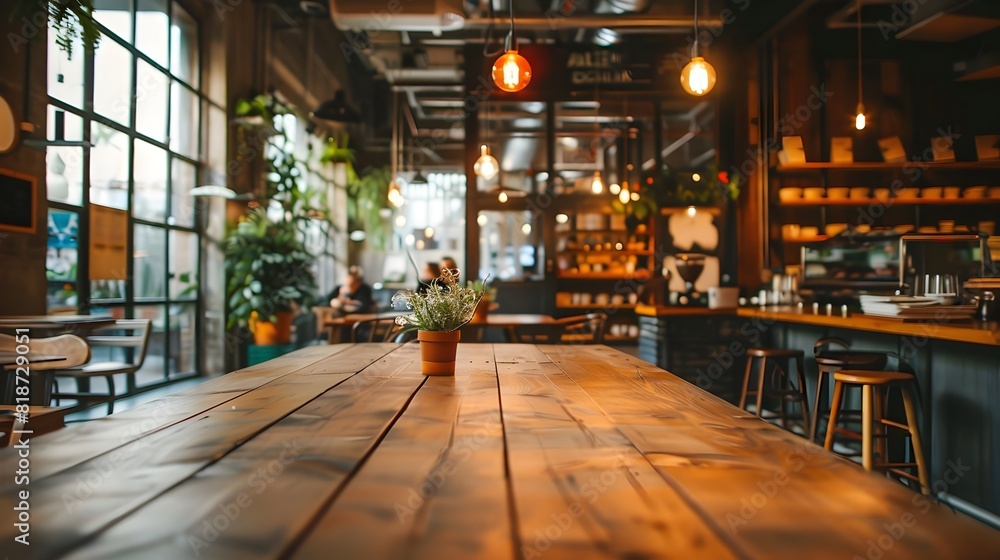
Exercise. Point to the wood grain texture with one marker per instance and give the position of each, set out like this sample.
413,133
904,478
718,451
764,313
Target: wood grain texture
582,489
770,490
86,498
435,487
561,451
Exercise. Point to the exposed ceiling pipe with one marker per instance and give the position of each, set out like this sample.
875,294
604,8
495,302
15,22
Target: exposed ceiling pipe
425,75
650,23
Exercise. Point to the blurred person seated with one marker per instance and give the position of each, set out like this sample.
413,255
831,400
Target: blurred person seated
448,263
431,272
353,296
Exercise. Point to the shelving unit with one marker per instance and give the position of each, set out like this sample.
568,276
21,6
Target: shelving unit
588,241
878,212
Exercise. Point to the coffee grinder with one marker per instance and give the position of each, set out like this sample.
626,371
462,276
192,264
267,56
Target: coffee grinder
689,267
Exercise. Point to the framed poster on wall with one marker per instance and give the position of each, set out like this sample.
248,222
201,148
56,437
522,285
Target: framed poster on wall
17,213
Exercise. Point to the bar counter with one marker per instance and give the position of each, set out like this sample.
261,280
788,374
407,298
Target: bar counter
956,364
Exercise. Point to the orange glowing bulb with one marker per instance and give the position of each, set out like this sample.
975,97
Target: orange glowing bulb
511,72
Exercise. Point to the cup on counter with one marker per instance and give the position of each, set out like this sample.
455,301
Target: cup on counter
790,231
859,192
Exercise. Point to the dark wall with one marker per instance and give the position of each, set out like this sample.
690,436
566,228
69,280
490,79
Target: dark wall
22,255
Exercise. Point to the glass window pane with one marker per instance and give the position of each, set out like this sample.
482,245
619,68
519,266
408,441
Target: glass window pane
153,369
151,101
63,125
183,265
61,260
184,111
215,135
150,261
65,75
151,31
184,46
183,178
509,243
105,290
116,15
150,179
64,174
113,81
182,339
109,160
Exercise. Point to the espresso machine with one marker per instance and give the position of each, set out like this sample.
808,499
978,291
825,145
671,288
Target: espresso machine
689,268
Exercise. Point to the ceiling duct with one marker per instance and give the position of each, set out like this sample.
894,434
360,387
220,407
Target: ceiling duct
412,15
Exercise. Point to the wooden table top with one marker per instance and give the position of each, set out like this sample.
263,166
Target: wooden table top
55,321
564,451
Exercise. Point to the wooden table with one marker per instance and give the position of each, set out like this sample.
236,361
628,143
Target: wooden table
55,322
564,451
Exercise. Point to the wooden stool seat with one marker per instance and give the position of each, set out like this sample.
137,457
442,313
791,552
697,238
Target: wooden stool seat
874,426
780,386
829,361
867,377
773,353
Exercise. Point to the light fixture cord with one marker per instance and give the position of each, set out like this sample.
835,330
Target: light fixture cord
695,47
859,53
513,35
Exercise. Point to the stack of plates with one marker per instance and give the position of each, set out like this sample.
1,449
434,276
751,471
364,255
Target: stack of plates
915,307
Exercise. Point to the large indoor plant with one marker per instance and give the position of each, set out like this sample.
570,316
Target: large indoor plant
437,315
269,271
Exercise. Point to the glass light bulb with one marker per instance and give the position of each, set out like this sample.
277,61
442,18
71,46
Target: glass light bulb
561,218
400,221
623,196
696,177
502,197
614,188
698,77
482,220
486,166
428,232
692,211
511,72
526,229
598,185
860,120
634,195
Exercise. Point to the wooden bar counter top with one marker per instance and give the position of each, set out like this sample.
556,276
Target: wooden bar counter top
563,452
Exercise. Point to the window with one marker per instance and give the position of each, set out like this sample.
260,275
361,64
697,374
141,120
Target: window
432,222
132,140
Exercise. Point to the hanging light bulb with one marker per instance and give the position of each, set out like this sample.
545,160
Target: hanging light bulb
396,198
623,196
634,195
597,186
614,188
486,166
511,72
502,197
860,120
698,77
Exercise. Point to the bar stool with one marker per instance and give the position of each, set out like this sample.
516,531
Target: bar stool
781,386
827,362
875,387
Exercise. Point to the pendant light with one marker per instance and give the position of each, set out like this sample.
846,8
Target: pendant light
698,77
486,166
396,198
597,185
511,72
337,110
860,120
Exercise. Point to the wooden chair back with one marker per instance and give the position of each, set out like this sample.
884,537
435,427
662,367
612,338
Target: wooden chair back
380,329
584,329
73,349
551,333
125,333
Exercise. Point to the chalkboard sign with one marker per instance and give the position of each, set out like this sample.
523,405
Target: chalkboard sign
17,191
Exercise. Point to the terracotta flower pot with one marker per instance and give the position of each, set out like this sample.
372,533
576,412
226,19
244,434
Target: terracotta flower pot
481,314
266,333
437,351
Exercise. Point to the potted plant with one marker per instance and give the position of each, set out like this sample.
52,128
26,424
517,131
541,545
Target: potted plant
437,314
269,272
71,20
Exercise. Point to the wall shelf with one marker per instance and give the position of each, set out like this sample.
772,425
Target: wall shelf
623,252
641,276
593,306
867,201
885,166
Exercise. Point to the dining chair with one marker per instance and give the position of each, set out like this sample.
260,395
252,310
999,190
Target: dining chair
72,349
547,333
584,329
128,334
379,329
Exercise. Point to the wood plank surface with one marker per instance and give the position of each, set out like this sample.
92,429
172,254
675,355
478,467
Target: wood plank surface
774,493
79,501
582,490
255,501
435,487
64,449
